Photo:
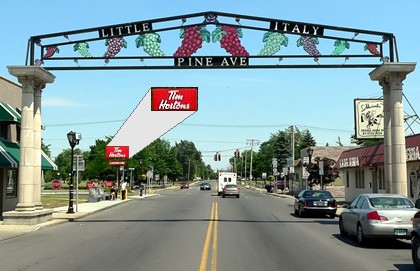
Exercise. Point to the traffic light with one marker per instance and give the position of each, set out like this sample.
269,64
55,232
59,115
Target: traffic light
218,156
237,153
215,156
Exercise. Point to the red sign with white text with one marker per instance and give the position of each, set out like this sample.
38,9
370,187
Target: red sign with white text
174,99
116,163
117,152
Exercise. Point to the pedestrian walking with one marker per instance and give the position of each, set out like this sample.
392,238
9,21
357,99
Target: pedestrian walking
124,190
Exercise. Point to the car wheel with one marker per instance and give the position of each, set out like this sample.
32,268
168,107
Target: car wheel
332,216
415,252
295,211
237,196
341,227
301,213
360,236
223,196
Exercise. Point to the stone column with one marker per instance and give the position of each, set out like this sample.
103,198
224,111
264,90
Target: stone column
37,145
30,77
387,135
391,75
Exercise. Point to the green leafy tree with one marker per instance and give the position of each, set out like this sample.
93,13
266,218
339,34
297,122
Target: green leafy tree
330,171
63,162
365,142
96,164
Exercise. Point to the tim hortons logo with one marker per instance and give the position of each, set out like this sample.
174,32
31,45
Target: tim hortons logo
116,151
174,99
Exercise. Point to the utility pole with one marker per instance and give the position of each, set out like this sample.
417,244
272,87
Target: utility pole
251,142
293,156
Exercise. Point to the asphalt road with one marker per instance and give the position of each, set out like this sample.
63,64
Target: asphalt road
196,230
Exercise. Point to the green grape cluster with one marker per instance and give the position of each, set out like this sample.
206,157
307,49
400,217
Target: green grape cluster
82,48
150,43
272,43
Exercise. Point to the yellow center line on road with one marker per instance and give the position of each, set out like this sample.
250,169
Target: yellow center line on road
214,251
204,255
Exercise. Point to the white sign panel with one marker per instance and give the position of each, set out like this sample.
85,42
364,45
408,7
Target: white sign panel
369,118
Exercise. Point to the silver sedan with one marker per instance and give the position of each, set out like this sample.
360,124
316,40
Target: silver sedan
378,216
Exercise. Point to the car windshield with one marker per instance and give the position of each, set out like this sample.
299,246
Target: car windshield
317,194
391,202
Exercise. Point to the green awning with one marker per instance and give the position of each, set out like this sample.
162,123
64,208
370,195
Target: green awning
10,155
8,113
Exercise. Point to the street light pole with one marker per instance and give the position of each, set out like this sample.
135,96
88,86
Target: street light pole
73,139
310,152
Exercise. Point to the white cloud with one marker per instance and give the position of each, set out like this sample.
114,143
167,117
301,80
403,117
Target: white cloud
60,102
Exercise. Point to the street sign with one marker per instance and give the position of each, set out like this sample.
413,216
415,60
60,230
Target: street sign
56,184
321,168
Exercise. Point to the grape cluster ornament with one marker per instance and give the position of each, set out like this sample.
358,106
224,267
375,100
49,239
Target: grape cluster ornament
150,43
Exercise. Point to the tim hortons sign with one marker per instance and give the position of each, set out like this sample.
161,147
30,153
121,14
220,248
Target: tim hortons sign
174,99
117,152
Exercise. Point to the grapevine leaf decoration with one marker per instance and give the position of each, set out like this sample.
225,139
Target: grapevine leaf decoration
205,34
309,46
51,50
182,33
150,43
82,48
191,41
139,41
217,34
272,43
340,46
239,31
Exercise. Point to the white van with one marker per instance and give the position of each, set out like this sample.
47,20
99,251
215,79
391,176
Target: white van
223,179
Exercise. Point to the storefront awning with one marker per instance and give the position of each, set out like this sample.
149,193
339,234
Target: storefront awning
8,113
10,155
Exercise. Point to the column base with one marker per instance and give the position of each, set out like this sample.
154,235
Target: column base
25,207
27,218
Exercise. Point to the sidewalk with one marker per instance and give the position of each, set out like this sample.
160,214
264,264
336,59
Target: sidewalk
60,216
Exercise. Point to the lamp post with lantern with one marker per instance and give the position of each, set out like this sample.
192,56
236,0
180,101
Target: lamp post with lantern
73,139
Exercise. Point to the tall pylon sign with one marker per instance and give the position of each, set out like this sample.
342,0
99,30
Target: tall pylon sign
160,110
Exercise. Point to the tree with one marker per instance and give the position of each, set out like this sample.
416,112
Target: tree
96,164
365,142
330,172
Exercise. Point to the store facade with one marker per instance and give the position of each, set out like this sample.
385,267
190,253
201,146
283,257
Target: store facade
10,126
362,170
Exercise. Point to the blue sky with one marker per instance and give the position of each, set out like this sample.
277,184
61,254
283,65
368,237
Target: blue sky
234,105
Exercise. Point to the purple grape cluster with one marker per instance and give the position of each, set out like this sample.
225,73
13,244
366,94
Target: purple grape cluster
231,42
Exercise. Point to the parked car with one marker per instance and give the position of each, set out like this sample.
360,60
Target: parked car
315,202
230,190
378,216
184,185
205,186
415,238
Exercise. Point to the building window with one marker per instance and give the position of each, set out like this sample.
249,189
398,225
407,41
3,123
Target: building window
347,179
11,188
380,179
3,130
360,178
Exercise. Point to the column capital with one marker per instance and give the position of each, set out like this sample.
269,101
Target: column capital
390,69
35,72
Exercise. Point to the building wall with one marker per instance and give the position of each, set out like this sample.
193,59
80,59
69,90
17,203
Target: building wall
351,190
10,92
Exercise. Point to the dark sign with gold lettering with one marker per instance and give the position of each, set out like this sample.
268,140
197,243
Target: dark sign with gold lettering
206,62
297,28
128,29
